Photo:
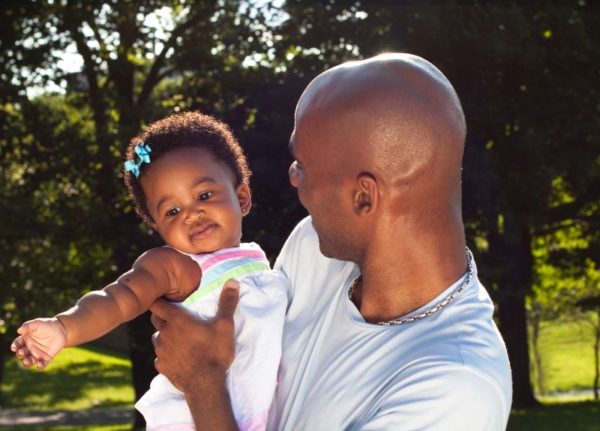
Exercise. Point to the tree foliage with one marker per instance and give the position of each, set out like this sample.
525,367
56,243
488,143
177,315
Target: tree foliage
525,75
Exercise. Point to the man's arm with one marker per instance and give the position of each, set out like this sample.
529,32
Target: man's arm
195,356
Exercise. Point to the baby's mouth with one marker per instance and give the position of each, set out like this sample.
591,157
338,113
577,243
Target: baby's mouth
202,230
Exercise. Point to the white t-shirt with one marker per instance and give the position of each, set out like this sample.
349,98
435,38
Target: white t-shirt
449,371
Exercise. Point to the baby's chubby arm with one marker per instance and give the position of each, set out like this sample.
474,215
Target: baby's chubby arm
158,272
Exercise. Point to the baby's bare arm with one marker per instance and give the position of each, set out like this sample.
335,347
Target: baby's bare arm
158,272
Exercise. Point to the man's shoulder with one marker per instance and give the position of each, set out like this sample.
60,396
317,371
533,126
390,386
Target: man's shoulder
302,244
447,397
467,390
461,362
303,231
306,268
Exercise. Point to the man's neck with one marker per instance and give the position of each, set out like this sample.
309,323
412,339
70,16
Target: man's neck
398,281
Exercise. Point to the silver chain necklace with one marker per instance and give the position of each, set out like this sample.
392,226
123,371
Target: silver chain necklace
437,307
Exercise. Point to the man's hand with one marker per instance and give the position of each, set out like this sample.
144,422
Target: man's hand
195,354
39,342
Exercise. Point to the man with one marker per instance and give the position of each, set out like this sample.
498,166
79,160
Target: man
388,327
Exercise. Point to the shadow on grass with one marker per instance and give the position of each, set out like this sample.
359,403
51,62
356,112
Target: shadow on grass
580,416
68,383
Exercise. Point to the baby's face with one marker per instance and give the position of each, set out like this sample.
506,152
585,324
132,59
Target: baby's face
193,201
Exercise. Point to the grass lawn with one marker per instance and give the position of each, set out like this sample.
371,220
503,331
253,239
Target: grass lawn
567,351
581,416
78,378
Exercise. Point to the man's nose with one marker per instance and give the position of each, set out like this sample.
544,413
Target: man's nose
293,171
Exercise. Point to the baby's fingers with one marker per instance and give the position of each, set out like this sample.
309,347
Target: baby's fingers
22,351
41,364
17,344
28,361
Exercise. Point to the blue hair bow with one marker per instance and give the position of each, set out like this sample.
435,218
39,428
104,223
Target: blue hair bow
143,151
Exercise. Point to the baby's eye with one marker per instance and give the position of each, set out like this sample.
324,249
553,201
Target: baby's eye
205,196
172,212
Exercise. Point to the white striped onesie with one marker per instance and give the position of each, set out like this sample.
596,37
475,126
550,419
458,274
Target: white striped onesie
259,318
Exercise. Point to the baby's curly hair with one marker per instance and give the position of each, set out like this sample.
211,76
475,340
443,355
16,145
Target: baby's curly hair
189,129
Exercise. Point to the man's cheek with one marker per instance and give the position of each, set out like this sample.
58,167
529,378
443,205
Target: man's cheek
302,198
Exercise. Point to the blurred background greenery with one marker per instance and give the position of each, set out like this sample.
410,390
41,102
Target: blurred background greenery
78,79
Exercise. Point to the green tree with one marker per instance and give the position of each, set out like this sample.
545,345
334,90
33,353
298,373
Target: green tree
47,259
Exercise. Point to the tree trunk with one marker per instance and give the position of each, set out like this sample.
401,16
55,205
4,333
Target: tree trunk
512,319
4,346
142,358
596,356
511,249
141,351
140,330
535,337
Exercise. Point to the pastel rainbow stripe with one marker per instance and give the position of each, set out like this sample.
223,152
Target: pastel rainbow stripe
224,265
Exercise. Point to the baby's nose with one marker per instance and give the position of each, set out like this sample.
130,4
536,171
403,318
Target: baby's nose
194,214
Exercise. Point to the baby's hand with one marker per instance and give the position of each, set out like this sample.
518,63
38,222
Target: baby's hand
39,342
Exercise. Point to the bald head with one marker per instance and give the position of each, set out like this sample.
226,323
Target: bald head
394,116
378,149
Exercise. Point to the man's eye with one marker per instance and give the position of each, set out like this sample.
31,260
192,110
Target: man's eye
205,196
172,212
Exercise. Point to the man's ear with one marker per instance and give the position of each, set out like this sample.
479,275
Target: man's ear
244,197
365,194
